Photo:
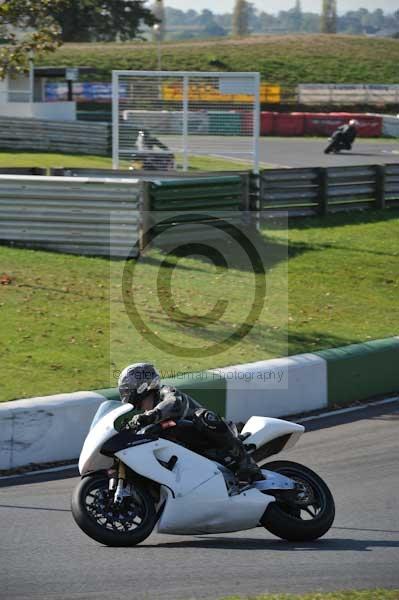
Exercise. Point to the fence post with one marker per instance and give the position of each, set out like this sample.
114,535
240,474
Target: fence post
245,200
323,191
145,220
380,186
255,198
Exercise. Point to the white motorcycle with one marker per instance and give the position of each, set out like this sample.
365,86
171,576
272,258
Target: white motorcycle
166,475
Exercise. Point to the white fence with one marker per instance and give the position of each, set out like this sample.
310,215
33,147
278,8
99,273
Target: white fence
346,94
71,214
390,125
161,119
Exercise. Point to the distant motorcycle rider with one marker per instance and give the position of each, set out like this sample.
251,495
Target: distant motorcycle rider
140,385
343,137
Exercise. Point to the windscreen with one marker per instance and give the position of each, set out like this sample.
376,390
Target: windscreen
104,409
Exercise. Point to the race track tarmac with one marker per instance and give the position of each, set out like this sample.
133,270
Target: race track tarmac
290,152
308,152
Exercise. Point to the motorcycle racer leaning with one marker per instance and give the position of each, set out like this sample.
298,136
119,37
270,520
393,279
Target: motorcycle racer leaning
140,385
344,137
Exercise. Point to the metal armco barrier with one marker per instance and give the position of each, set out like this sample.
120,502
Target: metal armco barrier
22,171
186,208
75,215
55,136
320,191
139,174
389,186
288,190
116,216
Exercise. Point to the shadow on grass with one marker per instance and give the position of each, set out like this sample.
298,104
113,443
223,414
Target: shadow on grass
298,248
246,250
313,341
271,341
332,220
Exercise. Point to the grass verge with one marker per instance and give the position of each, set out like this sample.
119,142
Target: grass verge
287,59
330,282
376,594
50,160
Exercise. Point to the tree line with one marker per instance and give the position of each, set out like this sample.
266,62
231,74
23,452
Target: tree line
29,28
246,19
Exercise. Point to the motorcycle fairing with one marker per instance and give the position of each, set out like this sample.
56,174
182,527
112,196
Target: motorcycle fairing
124,439
90,457
190,470
265,429
209,509
197,498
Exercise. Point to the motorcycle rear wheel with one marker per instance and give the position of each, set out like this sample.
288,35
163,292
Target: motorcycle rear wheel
126,524
297,522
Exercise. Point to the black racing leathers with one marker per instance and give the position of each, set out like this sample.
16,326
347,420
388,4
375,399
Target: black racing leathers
174,405
347,135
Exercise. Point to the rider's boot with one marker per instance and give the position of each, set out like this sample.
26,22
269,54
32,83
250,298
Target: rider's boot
246,467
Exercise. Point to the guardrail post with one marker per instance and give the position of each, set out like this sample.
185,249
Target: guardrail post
145,220
255,200
380,177
245,200
246,197
323,191
109,139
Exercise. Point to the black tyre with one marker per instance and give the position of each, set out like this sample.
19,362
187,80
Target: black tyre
126,524
329,148
307,518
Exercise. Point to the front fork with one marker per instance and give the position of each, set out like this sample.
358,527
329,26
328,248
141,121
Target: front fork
120,487
118,483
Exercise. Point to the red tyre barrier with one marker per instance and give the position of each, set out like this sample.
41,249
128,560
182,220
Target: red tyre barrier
369,125
289,124
344,115
267,123
321,123
327,123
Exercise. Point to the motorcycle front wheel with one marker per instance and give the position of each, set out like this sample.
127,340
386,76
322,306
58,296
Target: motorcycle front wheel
125,524
310,515
330,148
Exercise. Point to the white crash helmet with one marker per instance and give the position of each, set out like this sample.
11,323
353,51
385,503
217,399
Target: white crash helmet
354,123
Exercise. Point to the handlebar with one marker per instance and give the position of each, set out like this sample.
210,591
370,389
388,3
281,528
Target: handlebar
153,429
157,429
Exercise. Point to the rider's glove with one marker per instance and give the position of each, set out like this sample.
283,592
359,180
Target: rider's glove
139,421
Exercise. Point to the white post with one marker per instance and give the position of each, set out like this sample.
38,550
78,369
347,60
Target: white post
115,120
256,126
185,122
31,80
159,55
158,35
